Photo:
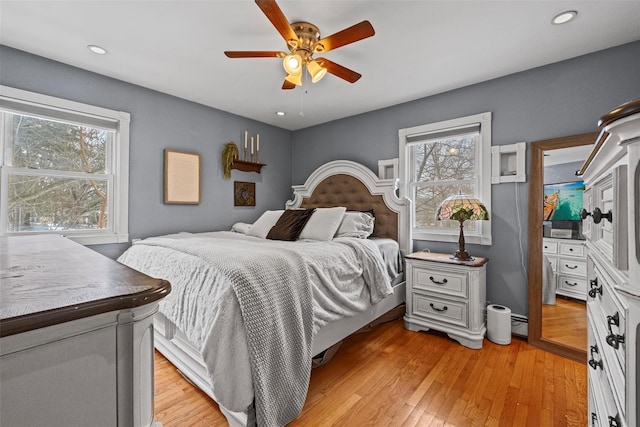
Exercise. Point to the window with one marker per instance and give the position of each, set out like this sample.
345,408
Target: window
439,160
64,168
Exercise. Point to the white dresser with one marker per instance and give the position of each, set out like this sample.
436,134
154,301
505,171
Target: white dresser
612,225
447,295
568,260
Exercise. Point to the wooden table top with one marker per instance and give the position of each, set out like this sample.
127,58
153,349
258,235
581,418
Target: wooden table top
446,258
47,279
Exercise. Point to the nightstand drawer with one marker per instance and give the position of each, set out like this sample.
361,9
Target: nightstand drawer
441,310
440,280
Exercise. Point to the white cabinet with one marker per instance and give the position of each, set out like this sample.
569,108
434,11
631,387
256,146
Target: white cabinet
446,295
568,259
612,225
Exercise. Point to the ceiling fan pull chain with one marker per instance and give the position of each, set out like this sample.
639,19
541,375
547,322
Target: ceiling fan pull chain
304,92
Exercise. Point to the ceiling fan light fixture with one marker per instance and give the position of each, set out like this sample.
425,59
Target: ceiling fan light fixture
292,64
316,71
296,79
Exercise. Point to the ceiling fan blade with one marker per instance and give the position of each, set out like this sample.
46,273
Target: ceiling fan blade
339,71
273,12
288,85
349,35
254,54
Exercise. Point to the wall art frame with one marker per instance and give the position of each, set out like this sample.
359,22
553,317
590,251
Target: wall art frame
181,177
244,193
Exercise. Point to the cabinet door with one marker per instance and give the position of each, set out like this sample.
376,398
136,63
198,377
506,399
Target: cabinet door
611,235
587,204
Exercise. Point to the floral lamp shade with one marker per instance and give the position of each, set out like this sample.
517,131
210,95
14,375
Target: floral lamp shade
461,207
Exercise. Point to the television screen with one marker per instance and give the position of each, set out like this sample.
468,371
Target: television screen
563,201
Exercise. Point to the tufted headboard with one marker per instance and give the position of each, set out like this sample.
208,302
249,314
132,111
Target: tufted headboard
350,184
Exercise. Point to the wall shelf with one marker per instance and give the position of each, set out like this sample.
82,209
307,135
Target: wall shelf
245,166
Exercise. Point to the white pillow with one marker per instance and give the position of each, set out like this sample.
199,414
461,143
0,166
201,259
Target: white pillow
261,227
241,227
323,224
356,224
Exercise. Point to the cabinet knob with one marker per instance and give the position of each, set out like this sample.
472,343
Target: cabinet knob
614,421
597,215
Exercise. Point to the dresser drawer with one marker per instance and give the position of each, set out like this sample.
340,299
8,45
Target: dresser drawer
571,248
440,309
603,366
572,266
549,247
612,316
572,284
440,280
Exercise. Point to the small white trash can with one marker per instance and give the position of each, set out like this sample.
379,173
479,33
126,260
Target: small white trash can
499,324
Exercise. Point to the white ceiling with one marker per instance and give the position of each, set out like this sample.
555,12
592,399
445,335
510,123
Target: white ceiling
420,48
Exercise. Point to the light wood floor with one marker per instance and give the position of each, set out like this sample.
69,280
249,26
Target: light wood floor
393,377
566,322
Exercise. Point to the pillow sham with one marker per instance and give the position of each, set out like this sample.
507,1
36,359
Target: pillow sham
356,224
267,220
323,224
290,224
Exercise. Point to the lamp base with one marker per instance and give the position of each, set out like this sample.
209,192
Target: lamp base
462,256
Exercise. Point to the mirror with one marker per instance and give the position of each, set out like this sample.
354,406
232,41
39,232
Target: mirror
546,340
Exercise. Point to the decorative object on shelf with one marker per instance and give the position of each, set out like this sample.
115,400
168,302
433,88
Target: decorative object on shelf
181,177
244,193
461,207
251,158
229,154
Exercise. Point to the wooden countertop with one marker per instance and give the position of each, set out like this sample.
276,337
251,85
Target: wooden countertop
47,279
446,258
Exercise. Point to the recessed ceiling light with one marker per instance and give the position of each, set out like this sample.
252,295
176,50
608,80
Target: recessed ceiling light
97,49
280,113
564,17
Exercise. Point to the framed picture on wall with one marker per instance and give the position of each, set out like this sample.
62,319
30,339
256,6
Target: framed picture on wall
244,193
181,177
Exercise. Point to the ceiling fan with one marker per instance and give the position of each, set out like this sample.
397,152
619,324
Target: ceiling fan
303,40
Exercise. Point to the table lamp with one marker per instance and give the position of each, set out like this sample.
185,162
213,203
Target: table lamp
461,207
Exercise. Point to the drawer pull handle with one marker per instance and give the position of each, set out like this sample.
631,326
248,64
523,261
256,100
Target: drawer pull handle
570,249
444,281
584,214
614,421
570,267
614,340
592,362
571,284
595,289
441,310
594,418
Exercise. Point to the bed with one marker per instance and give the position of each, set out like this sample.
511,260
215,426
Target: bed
242,374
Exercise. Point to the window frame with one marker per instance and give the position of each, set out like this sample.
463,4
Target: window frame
407,136
117,164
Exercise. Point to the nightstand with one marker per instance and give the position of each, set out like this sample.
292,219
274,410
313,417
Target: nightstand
446,295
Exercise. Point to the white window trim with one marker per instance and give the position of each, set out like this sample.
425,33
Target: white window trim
483,234
119,212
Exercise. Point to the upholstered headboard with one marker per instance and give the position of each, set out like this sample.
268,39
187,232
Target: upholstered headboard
350,184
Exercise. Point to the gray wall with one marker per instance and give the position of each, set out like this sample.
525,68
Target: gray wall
561,99
557,100
564,172
160,121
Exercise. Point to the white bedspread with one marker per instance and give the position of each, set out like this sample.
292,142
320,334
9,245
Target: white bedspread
346,276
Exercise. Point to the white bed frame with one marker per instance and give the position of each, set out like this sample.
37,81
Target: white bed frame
173,344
